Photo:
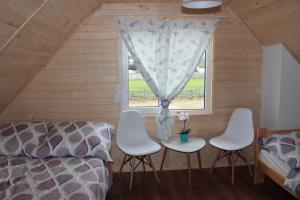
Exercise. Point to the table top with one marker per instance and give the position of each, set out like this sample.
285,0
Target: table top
194,144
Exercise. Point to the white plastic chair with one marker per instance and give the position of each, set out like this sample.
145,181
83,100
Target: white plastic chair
238,135
134,142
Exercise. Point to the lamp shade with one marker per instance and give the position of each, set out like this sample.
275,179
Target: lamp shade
201,4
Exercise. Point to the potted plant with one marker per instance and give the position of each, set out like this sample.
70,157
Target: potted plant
184,133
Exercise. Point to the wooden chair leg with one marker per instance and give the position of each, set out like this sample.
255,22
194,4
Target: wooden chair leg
142,158
199,159
215,161
242,155
232,167
228,156
189,169
163,160
153,168
122,164
132,171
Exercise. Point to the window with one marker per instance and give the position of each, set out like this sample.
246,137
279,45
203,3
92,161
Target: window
196,95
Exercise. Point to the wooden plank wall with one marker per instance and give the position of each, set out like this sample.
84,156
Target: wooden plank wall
31,32
272,21
79,82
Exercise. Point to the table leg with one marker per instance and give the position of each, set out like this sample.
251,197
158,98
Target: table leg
199,159
189,169
163,160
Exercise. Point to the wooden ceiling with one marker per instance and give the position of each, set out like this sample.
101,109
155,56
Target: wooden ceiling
30,33
272,21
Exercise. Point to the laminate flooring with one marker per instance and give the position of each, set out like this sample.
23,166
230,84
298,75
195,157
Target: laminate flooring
174,186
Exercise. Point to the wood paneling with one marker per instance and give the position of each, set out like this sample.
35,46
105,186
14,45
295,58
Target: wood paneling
272,21
80,80
13,14
30,33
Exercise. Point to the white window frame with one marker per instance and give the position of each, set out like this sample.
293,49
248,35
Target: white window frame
123,87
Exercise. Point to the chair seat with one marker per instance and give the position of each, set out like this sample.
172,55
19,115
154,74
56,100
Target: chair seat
227,143
140,149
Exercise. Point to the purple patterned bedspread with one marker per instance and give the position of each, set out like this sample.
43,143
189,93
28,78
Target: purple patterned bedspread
286,147
73,178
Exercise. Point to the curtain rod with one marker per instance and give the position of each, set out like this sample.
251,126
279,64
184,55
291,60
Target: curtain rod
161,15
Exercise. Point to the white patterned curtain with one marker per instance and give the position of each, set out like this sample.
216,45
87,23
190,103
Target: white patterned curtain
168,52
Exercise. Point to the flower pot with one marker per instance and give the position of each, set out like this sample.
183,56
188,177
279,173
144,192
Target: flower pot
184,137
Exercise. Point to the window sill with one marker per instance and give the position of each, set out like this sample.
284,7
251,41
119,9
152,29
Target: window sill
154,112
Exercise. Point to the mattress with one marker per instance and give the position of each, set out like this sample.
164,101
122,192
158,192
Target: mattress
23,178
274,162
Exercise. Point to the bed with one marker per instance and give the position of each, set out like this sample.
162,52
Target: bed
276,168
55,160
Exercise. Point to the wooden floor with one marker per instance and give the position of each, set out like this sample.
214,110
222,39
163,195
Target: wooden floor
173,186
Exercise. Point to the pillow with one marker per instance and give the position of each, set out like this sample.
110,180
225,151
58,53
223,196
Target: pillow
78,139
20,138
285,147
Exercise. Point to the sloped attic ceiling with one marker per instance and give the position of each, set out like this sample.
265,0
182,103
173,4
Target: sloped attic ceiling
30,33
272,21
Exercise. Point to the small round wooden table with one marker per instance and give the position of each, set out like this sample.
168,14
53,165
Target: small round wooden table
195,144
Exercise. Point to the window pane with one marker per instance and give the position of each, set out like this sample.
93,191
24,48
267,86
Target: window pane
192,96
139,93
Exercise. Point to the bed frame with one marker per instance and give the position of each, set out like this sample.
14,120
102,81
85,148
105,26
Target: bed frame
262,168
109,167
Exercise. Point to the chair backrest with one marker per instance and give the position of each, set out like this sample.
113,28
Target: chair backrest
131,129
240,126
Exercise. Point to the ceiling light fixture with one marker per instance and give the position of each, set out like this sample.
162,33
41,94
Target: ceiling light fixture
201,4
